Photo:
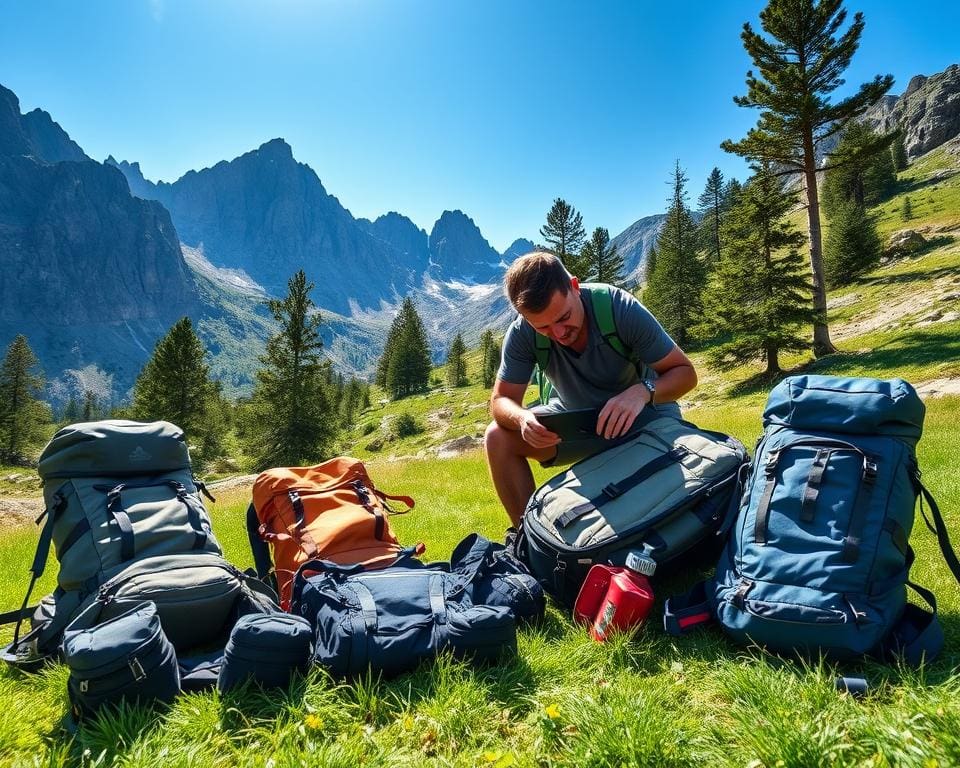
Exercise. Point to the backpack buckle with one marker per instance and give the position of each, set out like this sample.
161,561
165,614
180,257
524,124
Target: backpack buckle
84,686
137,668
611,490
869,470
772,459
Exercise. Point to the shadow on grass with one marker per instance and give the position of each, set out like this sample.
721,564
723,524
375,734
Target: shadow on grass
913,185
913,348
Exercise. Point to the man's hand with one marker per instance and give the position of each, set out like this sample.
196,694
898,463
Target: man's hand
534,433
618,414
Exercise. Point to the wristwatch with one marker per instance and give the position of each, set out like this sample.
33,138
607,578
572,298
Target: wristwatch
651,387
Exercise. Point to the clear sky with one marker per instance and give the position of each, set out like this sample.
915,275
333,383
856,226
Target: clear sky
494,107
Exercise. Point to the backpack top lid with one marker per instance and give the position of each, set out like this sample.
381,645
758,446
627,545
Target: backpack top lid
115,448
861,406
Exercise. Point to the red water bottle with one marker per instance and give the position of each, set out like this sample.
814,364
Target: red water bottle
615,598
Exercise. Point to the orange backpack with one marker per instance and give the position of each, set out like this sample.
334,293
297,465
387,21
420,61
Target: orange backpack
330,512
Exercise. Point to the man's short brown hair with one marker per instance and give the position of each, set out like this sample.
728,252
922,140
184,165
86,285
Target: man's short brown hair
532,280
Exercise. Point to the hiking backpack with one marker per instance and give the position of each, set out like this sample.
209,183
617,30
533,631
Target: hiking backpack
331,511
601,299
818,559
658,495
124,516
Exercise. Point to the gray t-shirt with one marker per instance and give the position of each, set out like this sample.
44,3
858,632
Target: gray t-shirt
588,379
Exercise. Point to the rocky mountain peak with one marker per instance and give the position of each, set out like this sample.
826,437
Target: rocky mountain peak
459,250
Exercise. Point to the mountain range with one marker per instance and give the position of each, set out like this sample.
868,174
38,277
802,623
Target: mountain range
98,261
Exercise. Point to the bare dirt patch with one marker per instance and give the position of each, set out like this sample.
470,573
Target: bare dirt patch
16,512
938,388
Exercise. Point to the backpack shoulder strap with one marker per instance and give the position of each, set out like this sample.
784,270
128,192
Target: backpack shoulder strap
601,297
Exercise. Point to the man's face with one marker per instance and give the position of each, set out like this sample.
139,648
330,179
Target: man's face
563,318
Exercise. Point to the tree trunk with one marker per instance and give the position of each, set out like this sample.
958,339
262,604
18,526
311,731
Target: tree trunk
773,360
821,333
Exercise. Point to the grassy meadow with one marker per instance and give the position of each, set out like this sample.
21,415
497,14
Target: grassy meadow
643,700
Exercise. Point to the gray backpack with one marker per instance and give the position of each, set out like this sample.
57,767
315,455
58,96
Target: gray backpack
124,515
645,502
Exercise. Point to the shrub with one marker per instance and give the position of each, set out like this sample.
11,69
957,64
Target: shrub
406,425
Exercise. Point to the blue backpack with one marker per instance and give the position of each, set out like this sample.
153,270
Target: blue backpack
818,559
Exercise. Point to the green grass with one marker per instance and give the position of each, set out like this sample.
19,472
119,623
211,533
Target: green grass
565,700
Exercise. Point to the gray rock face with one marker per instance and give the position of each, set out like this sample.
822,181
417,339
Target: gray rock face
904,243
87,272
635,242
269,215
928,111
34,134
517,248
459,251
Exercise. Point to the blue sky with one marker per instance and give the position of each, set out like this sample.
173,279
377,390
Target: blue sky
492,107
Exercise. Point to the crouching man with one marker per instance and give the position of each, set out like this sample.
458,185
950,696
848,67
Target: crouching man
585,369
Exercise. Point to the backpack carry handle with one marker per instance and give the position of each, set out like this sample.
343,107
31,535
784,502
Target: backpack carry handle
939,528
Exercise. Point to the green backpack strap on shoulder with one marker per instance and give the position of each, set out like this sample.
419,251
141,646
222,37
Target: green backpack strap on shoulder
601,298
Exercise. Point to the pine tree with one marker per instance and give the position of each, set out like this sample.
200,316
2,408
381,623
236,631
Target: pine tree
898,151
175,386
564,235
799,66
91,406
489,357
712,203
861,169
758,299
853,244
675,284
602,262
22,413
350,402
290,422
456,363
408,367
393,336
906,211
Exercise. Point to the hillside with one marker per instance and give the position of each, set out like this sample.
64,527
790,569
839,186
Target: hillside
902,319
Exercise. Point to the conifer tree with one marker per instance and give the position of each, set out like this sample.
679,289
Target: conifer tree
861,169
677,279
22,413
456,363
906,211
899,152
408,365
489,357
175,386
564,235
758,300
350,403
799,64
91,405
712,203
853,244
602,262
290,420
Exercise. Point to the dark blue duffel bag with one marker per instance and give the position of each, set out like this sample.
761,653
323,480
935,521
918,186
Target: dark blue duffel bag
390,619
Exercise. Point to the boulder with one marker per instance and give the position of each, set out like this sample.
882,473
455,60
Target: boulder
458,446
904,242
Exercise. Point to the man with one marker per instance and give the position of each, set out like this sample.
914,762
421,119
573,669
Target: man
584,369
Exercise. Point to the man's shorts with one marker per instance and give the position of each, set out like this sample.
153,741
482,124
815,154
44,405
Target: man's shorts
569,451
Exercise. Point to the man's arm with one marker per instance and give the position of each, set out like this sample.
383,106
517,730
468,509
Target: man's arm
507,410
675,377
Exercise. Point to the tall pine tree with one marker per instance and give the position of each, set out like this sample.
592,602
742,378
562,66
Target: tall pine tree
853,244
408,363
457,363
22,413
799,64
175,386
489,357
290,420
564,236
899,152
602,262
677,277
712,203
758,299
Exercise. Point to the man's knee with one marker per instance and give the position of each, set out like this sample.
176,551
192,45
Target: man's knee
495,439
